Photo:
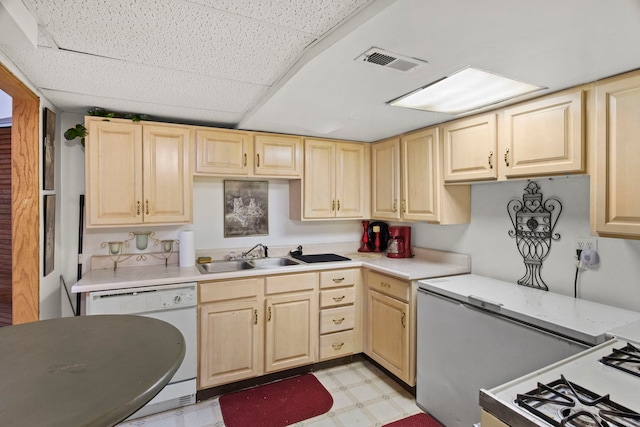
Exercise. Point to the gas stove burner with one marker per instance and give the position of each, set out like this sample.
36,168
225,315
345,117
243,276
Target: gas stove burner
626,359
563,403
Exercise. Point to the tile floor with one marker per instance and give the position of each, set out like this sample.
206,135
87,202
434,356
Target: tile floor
362,396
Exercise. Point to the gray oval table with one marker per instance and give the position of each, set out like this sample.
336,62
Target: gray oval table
84,371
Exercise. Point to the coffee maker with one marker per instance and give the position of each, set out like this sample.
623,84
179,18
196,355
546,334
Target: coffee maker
399,243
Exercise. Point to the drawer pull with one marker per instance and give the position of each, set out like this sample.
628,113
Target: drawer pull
337,346
244,156
146,203
338,279
490,159
385,285
338,321
255,317
506,157
138,209
338,299
269,317
403,320
258,160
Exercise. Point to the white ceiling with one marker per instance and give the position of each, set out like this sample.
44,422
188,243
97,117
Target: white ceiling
288,65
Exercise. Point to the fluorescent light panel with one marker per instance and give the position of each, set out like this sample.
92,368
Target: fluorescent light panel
466,90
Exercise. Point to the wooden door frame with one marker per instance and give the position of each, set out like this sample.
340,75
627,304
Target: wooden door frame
25,198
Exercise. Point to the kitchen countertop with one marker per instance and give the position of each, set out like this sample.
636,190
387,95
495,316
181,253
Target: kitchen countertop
426,263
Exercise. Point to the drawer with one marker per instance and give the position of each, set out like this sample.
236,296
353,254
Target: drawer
291,283
229,289
336,344
335,297
335,278
389,285
337,319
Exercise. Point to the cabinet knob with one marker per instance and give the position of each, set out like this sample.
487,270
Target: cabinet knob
490,159
506,157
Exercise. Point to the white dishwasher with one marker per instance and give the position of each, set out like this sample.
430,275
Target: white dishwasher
475,332
175,304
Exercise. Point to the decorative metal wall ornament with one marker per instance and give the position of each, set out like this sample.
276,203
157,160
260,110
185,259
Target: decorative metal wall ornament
533,222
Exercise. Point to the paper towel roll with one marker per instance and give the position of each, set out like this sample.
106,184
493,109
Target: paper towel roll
187,248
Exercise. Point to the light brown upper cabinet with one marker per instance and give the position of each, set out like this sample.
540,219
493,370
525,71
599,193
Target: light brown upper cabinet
543,137
238,153
615,179
408,183
470,147
137,173
537,138
277,155
336,181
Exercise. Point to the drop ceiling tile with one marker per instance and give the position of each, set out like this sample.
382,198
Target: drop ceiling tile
309,16
174,34
75,73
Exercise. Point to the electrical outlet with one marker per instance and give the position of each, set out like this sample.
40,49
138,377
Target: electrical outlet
586,243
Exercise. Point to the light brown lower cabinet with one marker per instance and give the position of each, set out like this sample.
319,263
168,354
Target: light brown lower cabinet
231,338
390,329
489,420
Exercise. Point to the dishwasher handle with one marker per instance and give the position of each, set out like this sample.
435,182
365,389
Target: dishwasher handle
484,303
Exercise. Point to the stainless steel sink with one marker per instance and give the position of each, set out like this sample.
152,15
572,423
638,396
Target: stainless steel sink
224,266
272,262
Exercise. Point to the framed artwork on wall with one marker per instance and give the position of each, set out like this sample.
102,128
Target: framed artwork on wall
246,208
49,233
48,149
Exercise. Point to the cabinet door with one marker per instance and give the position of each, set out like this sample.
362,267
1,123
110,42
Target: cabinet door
230,343
350,180
167,174
470,149
291,331
543,137
319,182
223,152
615,201
114,173
388,322
385,170
420,169
278,155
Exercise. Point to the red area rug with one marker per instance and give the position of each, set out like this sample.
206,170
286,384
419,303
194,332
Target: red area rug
276,404
417,420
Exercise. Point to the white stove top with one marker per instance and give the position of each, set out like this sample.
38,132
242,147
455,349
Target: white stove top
583,369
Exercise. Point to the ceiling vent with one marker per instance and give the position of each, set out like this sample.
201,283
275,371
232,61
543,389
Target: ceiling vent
387,59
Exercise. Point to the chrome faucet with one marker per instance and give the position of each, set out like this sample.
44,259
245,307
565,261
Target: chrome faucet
259,245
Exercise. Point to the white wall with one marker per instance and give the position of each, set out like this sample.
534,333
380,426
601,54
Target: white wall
494,253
